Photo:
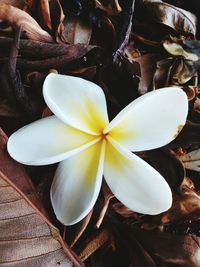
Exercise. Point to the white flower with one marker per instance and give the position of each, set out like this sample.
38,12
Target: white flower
87,146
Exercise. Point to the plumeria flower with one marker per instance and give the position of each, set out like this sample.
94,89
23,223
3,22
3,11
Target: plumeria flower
80,137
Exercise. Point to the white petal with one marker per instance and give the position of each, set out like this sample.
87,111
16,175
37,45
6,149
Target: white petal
77,184
77,102
134,182
151,121
47,141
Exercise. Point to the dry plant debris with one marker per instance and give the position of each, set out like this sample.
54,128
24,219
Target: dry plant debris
128,48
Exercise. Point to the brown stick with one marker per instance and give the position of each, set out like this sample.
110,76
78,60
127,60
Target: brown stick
36,49
73,53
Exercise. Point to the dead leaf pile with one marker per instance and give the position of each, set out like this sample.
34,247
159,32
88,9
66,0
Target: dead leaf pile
128,48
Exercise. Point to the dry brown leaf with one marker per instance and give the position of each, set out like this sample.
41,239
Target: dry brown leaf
19,18
26,237
23,221
148,66
76,31
182,21
182,250
185,207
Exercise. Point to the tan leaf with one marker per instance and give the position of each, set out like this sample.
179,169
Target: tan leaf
17,17
27,238
76,31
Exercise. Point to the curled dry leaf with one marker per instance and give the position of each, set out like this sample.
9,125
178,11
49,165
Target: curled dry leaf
185,207
180,20
19,18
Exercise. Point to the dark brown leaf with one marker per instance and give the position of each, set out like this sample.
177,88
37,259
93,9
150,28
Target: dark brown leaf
180,20
175,249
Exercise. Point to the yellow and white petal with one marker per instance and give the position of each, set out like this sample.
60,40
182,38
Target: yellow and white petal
77,102
47,141
134,182
151,121
77,183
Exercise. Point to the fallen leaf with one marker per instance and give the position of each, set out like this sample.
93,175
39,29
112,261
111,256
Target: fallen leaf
183,250
27,238
24,227
180,20
148,66
19,18
185,207
76,31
